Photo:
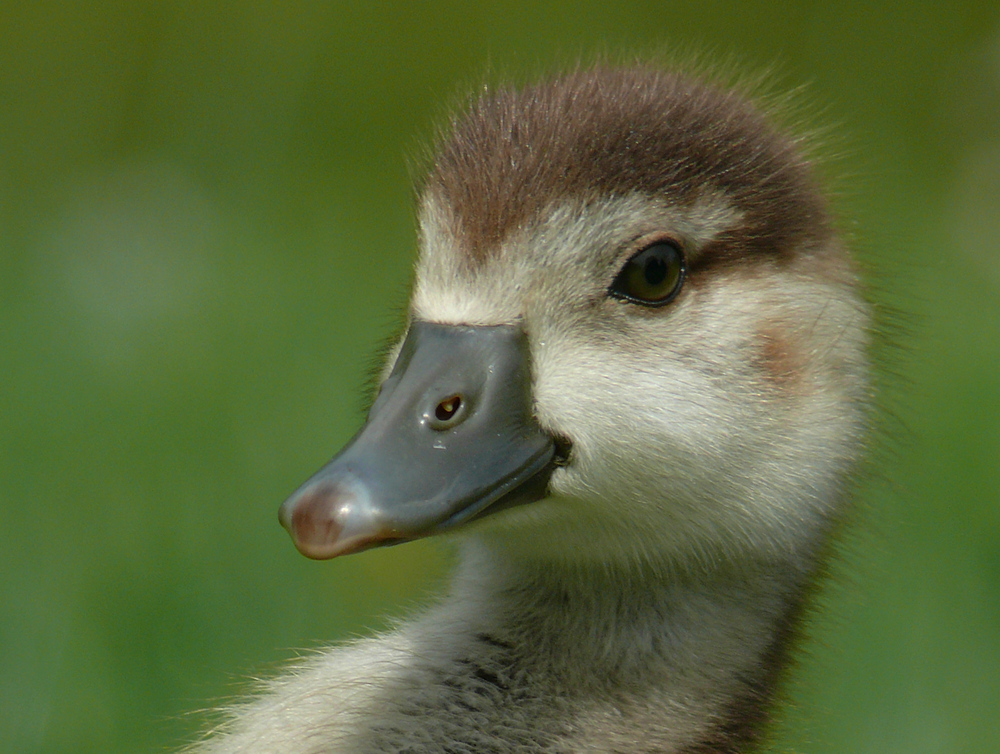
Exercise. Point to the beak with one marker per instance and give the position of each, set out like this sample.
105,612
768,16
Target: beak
450,437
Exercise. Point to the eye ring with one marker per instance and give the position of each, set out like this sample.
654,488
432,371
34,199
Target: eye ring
652,276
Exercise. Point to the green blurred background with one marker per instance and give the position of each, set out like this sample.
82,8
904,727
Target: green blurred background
206,233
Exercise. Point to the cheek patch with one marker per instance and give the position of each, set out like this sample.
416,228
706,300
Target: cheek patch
780,359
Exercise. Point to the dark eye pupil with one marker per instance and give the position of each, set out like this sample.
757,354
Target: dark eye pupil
656,271
652,277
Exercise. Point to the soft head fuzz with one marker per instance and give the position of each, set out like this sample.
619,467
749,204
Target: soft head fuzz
605,132
721,426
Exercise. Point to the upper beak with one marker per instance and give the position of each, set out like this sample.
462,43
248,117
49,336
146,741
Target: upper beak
450,436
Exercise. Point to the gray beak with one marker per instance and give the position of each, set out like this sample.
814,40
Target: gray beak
451,436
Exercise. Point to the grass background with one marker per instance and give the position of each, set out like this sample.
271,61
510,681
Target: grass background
206,232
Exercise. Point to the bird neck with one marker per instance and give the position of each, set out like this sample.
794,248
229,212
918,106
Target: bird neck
703,652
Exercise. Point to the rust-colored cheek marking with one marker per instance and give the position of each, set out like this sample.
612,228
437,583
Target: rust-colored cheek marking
781,359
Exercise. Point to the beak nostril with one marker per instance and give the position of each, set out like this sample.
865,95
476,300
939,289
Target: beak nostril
447,408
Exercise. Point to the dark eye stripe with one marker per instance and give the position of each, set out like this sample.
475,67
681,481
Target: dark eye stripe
652,277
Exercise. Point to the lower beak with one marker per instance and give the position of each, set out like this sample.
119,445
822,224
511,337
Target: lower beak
450,437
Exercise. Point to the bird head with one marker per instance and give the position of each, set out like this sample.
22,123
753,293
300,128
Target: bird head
633,332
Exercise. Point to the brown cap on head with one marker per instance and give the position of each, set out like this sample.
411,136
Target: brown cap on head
615,131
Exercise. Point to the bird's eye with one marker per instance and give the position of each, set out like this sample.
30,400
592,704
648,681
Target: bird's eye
653,276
